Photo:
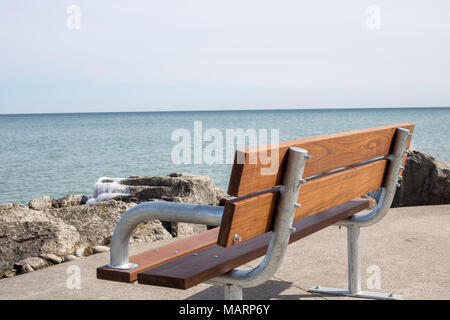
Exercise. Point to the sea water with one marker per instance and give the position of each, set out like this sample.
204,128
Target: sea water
60,154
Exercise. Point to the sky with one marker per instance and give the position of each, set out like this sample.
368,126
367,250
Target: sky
114,55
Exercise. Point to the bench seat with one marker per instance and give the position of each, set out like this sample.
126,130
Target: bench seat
190,270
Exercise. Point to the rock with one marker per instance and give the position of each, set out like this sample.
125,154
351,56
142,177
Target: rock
70,257
84,199
179,187
8,273
69,201
83,251
25,269
177,229
35,263
79,252
65,230
41,203
175,187
222,196
25,232
100,249
53,228
426,181
96,223
50,257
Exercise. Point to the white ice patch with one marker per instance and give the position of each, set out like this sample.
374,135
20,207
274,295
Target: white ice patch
108,188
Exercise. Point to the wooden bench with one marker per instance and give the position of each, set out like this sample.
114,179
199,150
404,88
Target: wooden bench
319,182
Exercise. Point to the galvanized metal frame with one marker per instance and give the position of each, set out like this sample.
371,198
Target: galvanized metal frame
355,222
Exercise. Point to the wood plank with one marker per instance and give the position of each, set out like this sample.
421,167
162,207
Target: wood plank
253,215
248,216
151,258
188,271
328,152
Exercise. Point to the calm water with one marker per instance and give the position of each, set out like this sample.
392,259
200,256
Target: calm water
58,154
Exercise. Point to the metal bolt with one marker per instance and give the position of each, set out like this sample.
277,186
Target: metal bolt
175,252
292,229
302,181
307,157
297,205
215,257
402,167
195,254
237,238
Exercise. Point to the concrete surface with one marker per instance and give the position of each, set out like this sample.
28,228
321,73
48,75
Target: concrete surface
410,247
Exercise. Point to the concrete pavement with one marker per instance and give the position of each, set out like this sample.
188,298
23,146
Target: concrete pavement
409,250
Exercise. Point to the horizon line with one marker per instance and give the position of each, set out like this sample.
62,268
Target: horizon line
224,110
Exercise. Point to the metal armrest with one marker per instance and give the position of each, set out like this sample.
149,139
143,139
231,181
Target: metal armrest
165,211
390,184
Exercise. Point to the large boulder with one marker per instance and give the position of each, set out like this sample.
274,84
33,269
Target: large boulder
178,187
426,181
26,232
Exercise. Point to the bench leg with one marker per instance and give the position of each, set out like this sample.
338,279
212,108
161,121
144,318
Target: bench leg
354,273
232,292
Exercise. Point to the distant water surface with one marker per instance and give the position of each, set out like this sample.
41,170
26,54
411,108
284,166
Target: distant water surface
59,154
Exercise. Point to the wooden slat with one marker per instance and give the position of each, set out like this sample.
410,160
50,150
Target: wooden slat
248,216
329,152
188,271
252,216
151,258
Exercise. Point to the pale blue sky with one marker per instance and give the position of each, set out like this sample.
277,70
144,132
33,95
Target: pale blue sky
207,54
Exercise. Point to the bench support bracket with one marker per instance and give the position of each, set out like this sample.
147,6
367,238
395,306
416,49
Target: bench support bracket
354,273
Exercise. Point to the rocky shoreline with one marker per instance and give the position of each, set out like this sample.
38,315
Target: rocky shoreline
50,231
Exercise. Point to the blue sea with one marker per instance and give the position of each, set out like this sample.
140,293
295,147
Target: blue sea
60,154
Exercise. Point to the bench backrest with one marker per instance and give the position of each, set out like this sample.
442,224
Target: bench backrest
343,166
